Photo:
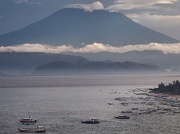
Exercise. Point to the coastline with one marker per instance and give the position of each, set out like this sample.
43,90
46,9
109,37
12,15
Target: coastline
177,97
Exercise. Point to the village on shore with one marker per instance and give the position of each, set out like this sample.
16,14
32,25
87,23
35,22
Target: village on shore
162,100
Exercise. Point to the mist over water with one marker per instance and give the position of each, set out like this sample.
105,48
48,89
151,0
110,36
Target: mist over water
60,103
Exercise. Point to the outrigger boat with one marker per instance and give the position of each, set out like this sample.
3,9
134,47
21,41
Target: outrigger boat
39,129
28,121
92,121
122,117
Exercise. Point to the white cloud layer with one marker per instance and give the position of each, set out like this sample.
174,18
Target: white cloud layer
93,48
88,7
132,4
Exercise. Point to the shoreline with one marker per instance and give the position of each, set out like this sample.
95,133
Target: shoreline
164,95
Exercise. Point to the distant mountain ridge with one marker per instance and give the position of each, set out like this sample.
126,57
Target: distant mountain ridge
75,27
85,66
22,63
26,63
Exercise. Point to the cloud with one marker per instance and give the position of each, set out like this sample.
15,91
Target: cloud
27,2
98,47
20,1
137,4
93,48
88,7
36,48
156,20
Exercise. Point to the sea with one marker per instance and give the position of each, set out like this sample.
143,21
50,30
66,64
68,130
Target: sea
60,103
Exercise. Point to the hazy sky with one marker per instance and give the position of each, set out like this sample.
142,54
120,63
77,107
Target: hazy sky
160,15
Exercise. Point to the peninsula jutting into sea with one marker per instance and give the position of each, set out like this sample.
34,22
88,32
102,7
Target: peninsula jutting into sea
171,88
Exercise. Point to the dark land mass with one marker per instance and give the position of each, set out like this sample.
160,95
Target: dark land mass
171,88
76,27
94,67
158,58
23,63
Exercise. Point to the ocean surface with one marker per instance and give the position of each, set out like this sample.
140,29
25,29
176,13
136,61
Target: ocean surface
60,103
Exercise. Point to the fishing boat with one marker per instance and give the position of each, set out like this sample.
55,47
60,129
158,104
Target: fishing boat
39,129
28,120
92,121
122,117
126,111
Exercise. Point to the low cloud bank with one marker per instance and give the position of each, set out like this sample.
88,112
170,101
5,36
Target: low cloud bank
93,48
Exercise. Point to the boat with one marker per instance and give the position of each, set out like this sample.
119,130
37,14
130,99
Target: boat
126,111
122,117
28,121
39,129
177,111
161,112
92,121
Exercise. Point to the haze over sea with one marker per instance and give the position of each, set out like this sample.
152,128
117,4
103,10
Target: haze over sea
60,103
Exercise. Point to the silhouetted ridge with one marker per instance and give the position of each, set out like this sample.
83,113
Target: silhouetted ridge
83,66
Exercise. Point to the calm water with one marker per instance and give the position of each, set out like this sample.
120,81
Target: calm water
61,103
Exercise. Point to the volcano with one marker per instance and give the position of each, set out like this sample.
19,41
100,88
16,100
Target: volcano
76,27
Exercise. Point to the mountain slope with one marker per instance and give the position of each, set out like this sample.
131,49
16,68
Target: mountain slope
76,26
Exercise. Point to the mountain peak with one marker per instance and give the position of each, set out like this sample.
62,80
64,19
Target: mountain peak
72,26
